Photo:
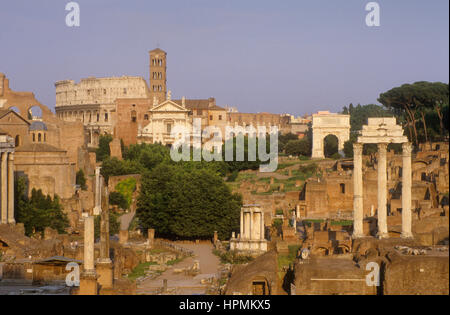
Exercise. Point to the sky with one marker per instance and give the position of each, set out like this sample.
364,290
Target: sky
286,56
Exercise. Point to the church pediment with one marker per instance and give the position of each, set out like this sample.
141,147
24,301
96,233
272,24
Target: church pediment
168,106
11,117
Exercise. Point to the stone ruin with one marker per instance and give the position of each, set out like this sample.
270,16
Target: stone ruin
252,236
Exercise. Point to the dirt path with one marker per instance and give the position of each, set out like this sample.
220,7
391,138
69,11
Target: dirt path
126,219
184,284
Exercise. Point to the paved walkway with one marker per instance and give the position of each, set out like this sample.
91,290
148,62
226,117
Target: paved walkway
184,284
126,219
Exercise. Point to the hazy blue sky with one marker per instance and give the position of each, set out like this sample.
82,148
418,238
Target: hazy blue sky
280,56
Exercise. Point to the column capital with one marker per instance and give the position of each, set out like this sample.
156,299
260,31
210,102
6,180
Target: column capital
382,149
407,149
357,148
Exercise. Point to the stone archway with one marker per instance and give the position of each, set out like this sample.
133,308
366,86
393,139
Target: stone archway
324,124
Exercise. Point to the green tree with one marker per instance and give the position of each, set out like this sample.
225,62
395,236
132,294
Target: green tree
348,148
81,180
38,212
114,225
283,140
330,146
115,167
103,151
117,199
187,203
298,147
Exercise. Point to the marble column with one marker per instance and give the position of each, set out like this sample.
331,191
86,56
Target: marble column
88,278
382,192
98,192
4,191
89,266
250,232
262,226
242,224
246,225
406,191
11,219
358,211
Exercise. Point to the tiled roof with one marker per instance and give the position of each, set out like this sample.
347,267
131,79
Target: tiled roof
200,104
38,125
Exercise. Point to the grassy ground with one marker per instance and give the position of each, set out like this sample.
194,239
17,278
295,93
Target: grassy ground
285,259
301,170
139,271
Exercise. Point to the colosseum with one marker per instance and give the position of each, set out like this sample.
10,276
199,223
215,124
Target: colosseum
92,101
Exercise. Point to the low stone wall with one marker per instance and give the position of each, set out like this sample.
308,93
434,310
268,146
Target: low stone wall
174,247
417,275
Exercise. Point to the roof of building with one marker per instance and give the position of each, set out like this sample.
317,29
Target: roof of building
38,147
4,112
37,126
264,266
57,259
204,104
158,50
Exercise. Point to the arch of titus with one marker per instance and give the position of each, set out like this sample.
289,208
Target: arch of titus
381,131
6,179
324,124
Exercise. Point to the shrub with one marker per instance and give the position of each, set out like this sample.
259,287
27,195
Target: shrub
336,156
233,176
233,257
117,199
127,187
81,180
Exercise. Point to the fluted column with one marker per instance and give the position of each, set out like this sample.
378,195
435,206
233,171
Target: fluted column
11,219
4,192
358,213
382,191
406,192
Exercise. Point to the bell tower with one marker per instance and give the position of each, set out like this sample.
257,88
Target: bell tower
158,79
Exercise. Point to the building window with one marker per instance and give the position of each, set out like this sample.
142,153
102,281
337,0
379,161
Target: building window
125,91
17,142
220,117
34,137
98,117
169,128
211,117
133,116
145,117
106,117
39,137
342,188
